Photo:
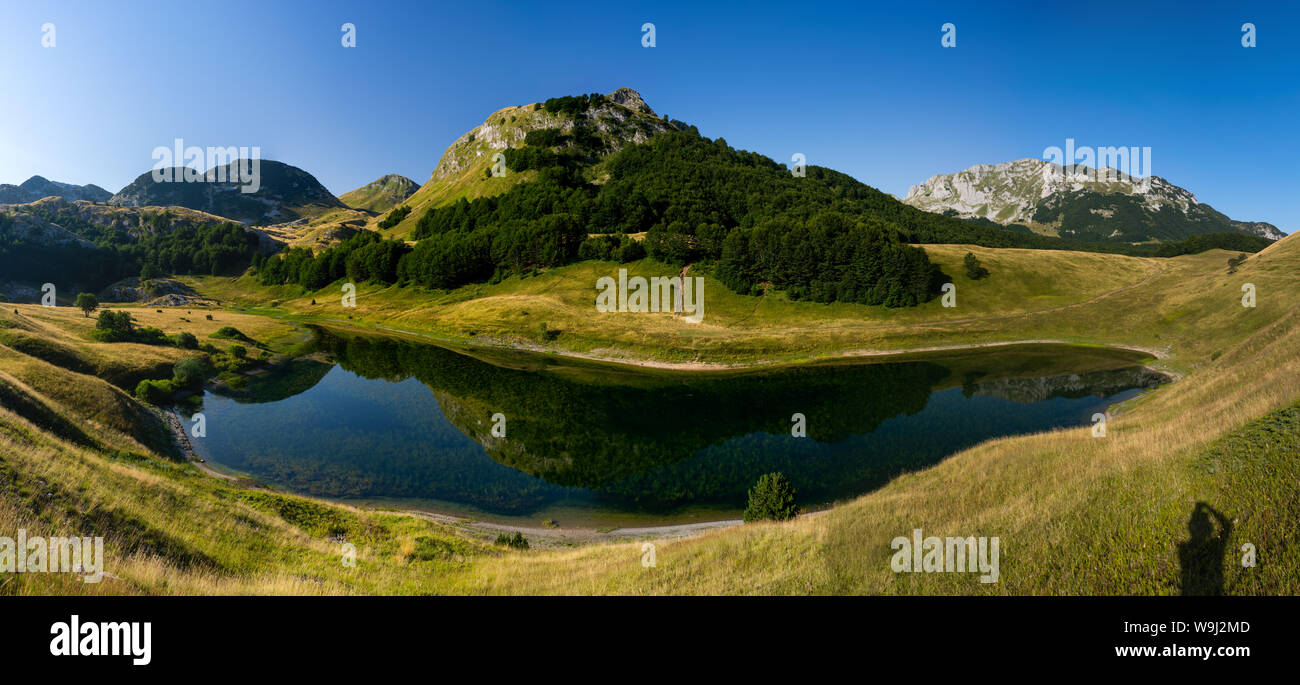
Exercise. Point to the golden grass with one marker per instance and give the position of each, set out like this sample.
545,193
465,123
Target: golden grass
1076,514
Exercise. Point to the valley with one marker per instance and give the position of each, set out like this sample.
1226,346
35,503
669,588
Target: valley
1039,489
364,421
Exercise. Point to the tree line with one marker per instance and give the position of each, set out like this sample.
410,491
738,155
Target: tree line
823,236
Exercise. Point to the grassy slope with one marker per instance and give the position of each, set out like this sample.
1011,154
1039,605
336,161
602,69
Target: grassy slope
470,182
381,194
1075,514
736,329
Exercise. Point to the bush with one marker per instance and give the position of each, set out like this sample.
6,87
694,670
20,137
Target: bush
189,372
772,499
186,341
518,541
974,270
237,351
113,326
155,392
230,332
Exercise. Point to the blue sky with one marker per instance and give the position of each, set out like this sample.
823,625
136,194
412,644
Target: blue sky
867,90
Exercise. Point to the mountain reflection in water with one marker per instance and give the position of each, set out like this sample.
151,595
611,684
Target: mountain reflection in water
402,420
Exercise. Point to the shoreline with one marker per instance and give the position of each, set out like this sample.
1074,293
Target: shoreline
857,353
539,537
544,537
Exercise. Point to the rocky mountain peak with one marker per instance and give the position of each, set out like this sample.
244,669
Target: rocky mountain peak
1078,201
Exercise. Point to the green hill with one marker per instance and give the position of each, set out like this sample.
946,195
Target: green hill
615,121
380,195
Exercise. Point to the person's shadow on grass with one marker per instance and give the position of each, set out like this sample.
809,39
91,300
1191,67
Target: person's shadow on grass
1201,556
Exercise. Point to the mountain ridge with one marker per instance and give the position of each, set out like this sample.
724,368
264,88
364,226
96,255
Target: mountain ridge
1079,202
284,193
38,187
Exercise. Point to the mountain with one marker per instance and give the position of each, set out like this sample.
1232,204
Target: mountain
380,195
1081,203
594,125
38,187
284,193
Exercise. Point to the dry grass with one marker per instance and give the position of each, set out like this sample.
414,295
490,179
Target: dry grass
1076,514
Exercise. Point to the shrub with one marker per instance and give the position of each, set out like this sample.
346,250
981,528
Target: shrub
237,351
189,372
974,270
517,541
155,392
113,326
186,341
772,499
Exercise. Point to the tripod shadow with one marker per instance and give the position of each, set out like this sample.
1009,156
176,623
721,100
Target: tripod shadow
1202,555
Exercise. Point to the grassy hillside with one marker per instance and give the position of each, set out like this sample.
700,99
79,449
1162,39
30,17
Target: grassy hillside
380,195
462,172
739,328
1075,514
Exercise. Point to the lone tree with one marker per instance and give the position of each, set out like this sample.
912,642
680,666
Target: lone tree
772,499
974,270
87,303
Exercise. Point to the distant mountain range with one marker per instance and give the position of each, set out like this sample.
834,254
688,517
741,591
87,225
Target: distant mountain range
284,193
1078,203
1026,195
38,187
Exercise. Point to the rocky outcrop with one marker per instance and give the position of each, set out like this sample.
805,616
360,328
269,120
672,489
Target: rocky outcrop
623,118
1079,202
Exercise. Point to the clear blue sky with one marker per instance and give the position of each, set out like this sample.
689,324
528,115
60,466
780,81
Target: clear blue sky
863,89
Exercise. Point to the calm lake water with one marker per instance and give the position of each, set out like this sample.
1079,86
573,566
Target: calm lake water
389,421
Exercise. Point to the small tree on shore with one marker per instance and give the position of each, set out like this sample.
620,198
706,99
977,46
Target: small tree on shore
87,303
772,499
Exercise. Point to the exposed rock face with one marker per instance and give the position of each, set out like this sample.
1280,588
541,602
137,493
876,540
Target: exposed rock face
38,187
623,119
1078,202
159,292
284,193
630,99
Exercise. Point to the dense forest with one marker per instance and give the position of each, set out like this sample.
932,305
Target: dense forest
696,200
161,245
739,215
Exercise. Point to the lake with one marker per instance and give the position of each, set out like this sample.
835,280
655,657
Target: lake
390,422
